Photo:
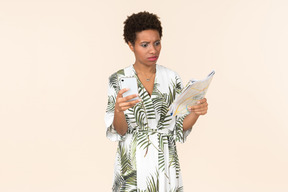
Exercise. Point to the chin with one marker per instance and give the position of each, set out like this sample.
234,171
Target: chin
152,63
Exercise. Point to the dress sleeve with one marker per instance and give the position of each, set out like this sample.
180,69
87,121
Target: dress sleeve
180,135
113,89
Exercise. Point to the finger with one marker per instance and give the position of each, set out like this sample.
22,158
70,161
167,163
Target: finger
120,93
204,100
130,97
135,101
125,106
205,109
200,111
129,103
121,102
199,106
191,108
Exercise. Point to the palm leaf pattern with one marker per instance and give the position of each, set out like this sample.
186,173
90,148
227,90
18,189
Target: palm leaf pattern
153,183
177,189
173,157
147,154
114,79
111,104
163,141
128,178
118,182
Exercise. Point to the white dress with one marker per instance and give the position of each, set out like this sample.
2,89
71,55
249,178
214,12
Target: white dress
146,158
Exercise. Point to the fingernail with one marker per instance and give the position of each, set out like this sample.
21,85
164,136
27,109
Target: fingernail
198,102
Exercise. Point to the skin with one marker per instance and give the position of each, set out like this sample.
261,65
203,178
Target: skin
148,44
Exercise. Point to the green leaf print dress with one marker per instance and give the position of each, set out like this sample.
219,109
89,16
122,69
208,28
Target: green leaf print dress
146,158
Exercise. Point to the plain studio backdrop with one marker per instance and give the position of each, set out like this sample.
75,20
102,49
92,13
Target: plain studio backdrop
55,60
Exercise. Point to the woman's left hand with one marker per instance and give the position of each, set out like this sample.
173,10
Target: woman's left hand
201,107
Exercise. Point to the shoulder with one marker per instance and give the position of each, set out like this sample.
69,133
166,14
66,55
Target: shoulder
114,78
115,75
119,73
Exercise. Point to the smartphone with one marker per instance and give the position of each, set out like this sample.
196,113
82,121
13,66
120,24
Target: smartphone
131,84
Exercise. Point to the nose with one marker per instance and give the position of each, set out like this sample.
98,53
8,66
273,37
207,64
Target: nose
153,49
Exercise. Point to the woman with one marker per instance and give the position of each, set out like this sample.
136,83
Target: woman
146,158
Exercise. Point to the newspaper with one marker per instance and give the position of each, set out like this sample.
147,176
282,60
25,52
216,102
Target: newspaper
191,93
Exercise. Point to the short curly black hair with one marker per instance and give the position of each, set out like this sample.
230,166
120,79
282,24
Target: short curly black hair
139,22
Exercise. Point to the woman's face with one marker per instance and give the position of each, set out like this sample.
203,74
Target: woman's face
147,47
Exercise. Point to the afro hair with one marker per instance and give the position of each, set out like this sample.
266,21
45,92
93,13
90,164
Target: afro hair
139,22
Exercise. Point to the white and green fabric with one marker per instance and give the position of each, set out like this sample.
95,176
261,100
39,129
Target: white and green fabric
146,158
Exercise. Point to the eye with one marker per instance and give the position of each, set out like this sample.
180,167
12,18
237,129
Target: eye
144,45
157,43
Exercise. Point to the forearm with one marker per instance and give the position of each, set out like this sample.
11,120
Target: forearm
120,123
189,121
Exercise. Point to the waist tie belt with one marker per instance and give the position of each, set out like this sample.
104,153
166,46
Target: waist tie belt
164,132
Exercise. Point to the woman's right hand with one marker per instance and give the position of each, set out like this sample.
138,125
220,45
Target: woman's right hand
123,103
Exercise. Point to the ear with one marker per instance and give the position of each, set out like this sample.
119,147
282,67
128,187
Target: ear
131,46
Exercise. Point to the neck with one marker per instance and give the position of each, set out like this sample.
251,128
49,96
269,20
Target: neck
144,68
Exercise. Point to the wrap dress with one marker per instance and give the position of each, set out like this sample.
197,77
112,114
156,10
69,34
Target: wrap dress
146,157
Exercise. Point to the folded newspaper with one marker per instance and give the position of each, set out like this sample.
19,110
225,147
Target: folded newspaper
191,93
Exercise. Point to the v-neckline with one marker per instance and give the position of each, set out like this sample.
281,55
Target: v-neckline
155,80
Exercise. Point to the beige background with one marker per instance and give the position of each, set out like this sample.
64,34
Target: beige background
55,59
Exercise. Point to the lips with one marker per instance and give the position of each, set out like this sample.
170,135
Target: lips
154,58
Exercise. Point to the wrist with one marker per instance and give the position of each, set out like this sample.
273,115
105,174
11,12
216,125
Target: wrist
117,111
193,114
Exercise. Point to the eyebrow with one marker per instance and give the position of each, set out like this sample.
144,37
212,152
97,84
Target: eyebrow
148,41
